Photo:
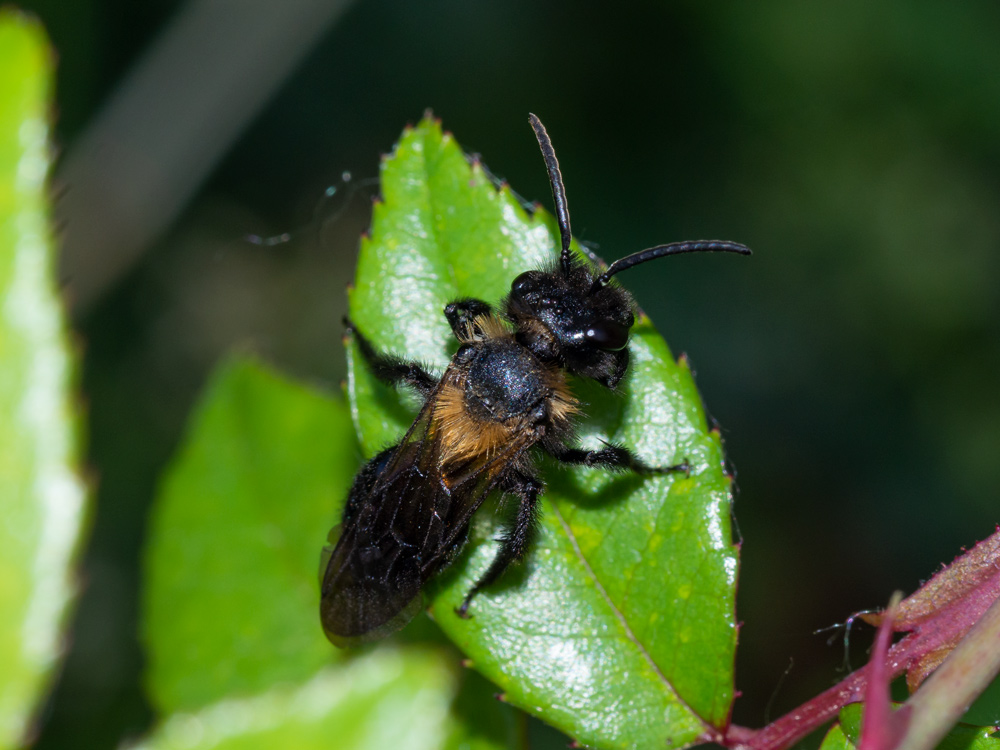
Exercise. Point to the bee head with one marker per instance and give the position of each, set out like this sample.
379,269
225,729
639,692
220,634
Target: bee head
561,316
576,317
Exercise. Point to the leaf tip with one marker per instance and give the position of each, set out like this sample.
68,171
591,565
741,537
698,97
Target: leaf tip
16,21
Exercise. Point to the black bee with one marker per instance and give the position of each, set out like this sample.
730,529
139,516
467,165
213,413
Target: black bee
504,393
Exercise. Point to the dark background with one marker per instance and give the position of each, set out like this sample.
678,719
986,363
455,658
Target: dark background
852,362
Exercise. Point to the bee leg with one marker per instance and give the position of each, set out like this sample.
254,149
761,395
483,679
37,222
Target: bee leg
462,312
613,457
391,369
514,543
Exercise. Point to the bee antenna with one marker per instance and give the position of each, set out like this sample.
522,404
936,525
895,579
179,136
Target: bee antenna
558,190
674,248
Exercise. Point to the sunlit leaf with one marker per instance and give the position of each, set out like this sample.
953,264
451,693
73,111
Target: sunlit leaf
41,497
385,700
620,628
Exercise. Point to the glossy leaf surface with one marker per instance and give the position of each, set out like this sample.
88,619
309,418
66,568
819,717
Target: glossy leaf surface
385,700
232,602
41,497
619,628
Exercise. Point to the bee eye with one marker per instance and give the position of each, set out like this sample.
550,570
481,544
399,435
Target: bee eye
608,335
522,284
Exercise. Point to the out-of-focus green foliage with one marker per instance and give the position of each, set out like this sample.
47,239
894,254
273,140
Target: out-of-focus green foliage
835,739
232,601
385,700
42,511
631,581
846,734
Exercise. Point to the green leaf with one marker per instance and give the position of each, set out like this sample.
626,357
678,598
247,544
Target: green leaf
960,737
620,627
232,602
41,498
835,739
385,700
479,721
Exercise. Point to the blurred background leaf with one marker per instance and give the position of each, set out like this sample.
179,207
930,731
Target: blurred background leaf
846,733
232,601
386,699
42,511
835,739
851,362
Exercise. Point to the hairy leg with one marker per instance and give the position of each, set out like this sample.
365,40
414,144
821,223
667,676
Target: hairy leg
613,457
461,313
515,540
391,369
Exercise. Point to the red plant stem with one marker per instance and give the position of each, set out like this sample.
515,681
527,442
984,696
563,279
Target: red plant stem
880,727
946,695
796,724
948,626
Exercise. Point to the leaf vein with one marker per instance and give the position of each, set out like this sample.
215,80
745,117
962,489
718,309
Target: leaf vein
621,617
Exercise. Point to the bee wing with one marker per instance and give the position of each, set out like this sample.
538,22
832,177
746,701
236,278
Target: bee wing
419,445
404,522
372,578
368,591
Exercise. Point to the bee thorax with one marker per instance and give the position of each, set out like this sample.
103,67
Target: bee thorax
505,381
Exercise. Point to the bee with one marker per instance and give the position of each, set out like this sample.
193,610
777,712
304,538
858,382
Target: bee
504,396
